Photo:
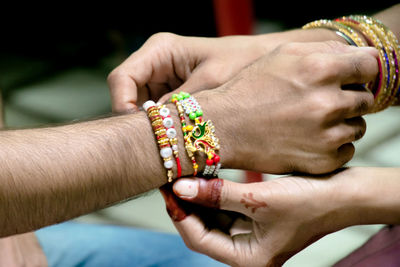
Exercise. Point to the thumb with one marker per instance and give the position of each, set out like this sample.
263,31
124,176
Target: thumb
222,194
202,78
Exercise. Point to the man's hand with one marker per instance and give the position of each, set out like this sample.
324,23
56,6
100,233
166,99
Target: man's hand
167,62
294,109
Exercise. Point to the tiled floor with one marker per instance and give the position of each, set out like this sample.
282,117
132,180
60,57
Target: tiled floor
83,93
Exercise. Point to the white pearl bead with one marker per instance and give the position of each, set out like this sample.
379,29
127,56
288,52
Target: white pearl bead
171,133
175,147
168,122
166,152
164,112
148,104
168,164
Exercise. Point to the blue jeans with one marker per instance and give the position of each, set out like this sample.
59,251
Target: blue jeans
75,244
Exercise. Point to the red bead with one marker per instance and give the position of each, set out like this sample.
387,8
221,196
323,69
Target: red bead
209,162
216,159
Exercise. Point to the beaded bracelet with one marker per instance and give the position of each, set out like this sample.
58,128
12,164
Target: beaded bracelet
171,134
202,134
190,149
160,132
198,138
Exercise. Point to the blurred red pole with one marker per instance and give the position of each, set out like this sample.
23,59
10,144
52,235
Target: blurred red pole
235,17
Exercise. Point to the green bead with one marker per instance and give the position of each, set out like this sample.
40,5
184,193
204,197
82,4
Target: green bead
174,96
192,116
180,97
186,95
199,113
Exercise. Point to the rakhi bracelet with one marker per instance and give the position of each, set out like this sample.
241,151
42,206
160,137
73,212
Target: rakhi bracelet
202,135
168,123
160,132
346,32
190,149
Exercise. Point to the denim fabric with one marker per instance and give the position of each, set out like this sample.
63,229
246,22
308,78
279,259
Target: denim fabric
77,244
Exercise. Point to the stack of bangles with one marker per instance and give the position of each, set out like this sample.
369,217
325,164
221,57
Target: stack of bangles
386,87
199,137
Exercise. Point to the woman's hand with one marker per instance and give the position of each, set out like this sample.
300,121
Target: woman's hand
284,215
21,250
168,61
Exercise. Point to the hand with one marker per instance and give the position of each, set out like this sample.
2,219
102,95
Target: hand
168,62
294,109
21,250
283,216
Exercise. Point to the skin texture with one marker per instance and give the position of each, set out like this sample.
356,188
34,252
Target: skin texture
53,174
23,249
298,211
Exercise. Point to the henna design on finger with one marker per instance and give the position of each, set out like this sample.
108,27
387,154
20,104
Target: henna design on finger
209,194
175,206
249,202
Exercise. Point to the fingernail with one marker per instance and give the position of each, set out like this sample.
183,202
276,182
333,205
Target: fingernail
186,188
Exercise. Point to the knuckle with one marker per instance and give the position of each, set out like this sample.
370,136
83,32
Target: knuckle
214,78
357,65
319,68
333,138
328,105
365,104
289,48
166,38
114,75
365,66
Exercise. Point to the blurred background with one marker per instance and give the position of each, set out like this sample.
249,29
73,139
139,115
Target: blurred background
55,59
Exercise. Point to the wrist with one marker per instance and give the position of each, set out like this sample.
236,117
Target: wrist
369,195
273,40
211,102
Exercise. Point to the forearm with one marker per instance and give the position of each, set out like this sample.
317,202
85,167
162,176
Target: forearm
369,195
390,17
53,174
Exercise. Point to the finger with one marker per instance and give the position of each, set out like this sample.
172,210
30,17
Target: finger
348,131
358,127
223,194
176,208
357,102
126,79
344,154
241,226
198,237
358,67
